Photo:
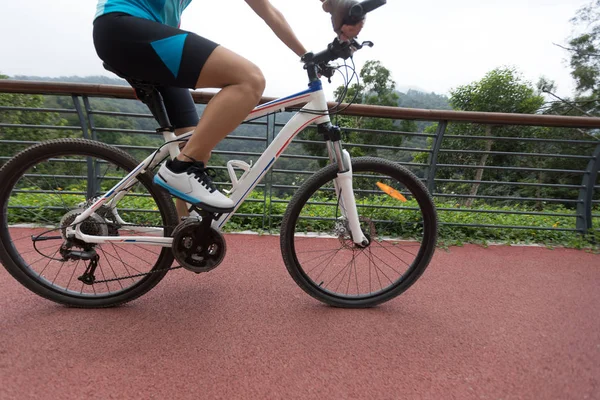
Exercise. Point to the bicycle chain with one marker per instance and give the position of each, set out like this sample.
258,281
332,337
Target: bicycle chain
136,275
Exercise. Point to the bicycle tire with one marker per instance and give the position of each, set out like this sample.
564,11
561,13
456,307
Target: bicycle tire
290,233
31,159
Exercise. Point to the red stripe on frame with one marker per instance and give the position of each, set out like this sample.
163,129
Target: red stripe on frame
299,129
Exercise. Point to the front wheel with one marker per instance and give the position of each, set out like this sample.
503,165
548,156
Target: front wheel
397,216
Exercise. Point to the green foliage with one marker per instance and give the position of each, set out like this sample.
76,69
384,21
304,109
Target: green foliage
376,88
518,228
428,101
501,90
585,49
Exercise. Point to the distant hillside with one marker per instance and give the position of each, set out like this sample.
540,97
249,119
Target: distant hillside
428,101
96,79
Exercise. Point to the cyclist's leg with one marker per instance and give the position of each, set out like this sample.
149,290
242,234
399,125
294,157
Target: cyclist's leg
183,116
242,85
168,56
158,53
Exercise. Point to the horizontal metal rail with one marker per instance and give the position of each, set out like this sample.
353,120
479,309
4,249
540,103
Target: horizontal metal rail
507,153
522,139
562,171
48,110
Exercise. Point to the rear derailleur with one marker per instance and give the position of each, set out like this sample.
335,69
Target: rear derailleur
86,254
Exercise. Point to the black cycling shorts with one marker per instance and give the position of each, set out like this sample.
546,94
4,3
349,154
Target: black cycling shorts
149,51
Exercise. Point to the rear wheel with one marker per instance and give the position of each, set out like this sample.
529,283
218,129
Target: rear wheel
45,187
397,216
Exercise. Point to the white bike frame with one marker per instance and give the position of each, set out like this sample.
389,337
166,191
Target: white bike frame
315,111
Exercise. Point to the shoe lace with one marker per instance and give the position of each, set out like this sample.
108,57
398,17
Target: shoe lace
200,172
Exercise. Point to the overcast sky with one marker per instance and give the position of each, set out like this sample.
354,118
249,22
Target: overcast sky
434,45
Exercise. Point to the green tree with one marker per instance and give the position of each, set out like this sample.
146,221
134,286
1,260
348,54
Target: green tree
584,59
376,88
585,49
501,90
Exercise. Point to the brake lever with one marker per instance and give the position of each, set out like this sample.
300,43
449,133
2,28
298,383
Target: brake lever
359,46
367,43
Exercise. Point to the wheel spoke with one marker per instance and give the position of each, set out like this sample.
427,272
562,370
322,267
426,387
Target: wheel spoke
125,265
111,267
72,274
380,270
388,250
321,256
131,254
326,265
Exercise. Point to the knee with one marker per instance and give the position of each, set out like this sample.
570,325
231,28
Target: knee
255,83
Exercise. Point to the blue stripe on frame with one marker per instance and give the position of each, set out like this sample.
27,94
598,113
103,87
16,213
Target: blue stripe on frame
313,87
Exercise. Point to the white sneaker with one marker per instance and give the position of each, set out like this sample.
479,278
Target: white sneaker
193,186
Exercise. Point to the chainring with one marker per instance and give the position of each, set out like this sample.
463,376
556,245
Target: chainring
197,249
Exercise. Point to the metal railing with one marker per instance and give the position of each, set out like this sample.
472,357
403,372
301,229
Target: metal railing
423,152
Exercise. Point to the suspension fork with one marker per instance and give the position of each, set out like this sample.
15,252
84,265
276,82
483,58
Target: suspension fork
343,182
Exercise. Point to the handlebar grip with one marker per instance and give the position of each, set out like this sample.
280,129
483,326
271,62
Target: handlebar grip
359,10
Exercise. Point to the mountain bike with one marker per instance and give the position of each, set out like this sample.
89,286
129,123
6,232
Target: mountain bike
83,224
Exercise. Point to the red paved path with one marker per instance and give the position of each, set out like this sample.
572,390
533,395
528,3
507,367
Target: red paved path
495,323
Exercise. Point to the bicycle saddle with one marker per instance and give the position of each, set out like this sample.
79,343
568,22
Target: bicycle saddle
148,94
135,83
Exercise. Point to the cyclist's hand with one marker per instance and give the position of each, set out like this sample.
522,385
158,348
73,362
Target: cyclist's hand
339,10
349,32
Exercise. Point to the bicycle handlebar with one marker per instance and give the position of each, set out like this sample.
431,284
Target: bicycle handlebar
358,11
337,48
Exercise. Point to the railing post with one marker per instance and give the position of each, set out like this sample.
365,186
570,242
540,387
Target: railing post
82,120
91,169
89,112
90,117
437,144
586,193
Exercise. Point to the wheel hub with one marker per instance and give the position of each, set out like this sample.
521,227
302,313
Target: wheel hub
344,234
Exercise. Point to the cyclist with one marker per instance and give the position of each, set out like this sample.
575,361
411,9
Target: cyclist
141,39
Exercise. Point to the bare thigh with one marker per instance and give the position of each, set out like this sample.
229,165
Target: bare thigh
224,68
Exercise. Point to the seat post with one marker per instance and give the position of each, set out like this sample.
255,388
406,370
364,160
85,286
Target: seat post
150,96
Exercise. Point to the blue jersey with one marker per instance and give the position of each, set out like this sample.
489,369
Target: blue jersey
164,11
